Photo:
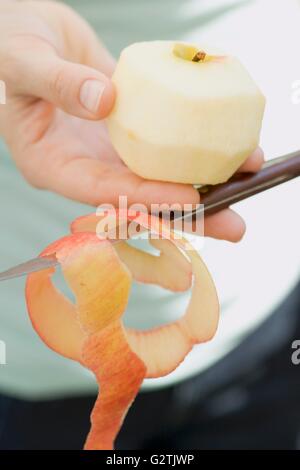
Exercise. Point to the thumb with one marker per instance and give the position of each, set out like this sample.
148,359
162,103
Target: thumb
75,88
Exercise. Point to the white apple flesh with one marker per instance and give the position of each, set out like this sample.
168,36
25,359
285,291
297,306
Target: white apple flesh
183,120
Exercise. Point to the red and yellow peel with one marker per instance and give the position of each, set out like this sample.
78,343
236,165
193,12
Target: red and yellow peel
91,330
120,373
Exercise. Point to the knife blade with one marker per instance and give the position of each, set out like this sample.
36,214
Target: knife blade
30,266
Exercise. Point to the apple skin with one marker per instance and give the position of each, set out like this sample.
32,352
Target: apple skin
91,332
183,121
163,348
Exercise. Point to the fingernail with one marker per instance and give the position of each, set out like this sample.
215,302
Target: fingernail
90,94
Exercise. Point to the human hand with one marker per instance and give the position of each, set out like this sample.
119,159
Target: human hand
58,91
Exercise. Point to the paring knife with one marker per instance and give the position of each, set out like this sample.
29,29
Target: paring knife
214,199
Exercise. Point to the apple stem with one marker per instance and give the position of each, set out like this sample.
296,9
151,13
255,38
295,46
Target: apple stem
199,57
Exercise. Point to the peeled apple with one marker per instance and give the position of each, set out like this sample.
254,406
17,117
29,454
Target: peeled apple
90,331
184,113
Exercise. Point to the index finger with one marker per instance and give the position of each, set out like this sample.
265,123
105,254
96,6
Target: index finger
254,162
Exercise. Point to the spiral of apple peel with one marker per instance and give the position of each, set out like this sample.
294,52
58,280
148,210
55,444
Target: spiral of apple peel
90,331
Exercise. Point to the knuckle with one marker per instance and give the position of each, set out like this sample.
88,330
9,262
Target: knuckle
31,178
31,173
58,83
